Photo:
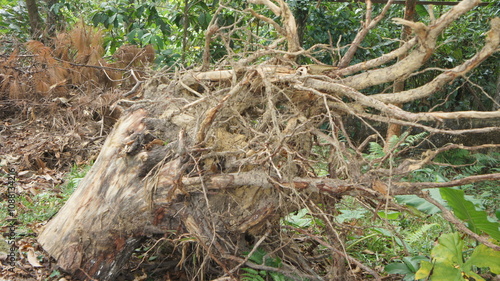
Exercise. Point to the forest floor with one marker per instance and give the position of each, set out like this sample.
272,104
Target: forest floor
39,148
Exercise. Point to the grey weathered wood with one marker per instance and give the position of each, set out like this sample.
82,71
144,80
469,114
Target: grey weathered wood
108,214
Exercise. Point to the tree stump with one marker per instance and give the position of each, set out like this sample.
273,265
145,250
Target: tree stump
139,186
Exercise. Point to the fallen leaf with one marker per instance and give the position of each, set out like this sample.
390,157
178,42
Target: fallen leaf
32,258
380,187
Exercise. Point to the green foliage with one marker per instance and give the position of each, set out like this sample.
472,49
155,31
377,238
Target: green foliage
456,164
407,267
261,257
375,150
132,22
55,273
477,221
379,239
391,215
454,157
14,19
351,214
416,236
448,263
301,219
448,260
198,16
396,144
419,204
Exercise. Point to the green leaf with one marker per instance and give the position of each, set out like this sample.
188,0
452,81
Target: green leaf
408,267
424,271
397,268
276,276
250,270
448,260
55,273
258,256
347,215
421,204
477,221
382,231
447,257
301,219
485,257
390,215
251,275
443,271
449,249
413,262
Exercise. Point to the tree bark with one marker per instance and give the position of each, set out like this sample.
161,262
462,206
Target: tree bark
36,23
103,221
54,20
136,189
496,99
399,85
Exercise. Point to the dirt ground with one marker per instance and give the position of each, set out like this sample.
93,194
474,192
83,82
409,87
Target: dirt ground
38,145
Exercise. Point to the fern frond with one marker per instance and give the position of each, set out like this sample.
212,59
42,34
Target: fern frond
417,235
413,139
394,140
376,151
492,159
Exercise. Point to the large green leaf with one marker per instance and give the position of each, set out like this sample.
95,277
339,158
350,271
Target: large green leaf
421,204
407,267
424,271
449,249
477,221
447,257
447,260
485,257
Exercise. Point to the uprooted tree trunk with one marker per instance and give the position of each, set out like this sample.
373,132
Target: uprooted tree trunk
220,157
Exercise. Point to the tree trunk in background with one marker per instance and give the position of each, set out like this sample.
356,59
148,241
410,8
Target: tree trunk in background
54,20
36,22
301,13
185,26
496,106
399,85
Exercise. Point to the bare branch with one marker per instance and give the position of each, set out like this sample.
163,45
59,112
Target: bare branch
275,9
366,27
384,119
268,20
490,47
412,165
388,109
466,114
211,30
375,62
337,251
416,58
289,28
403,188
